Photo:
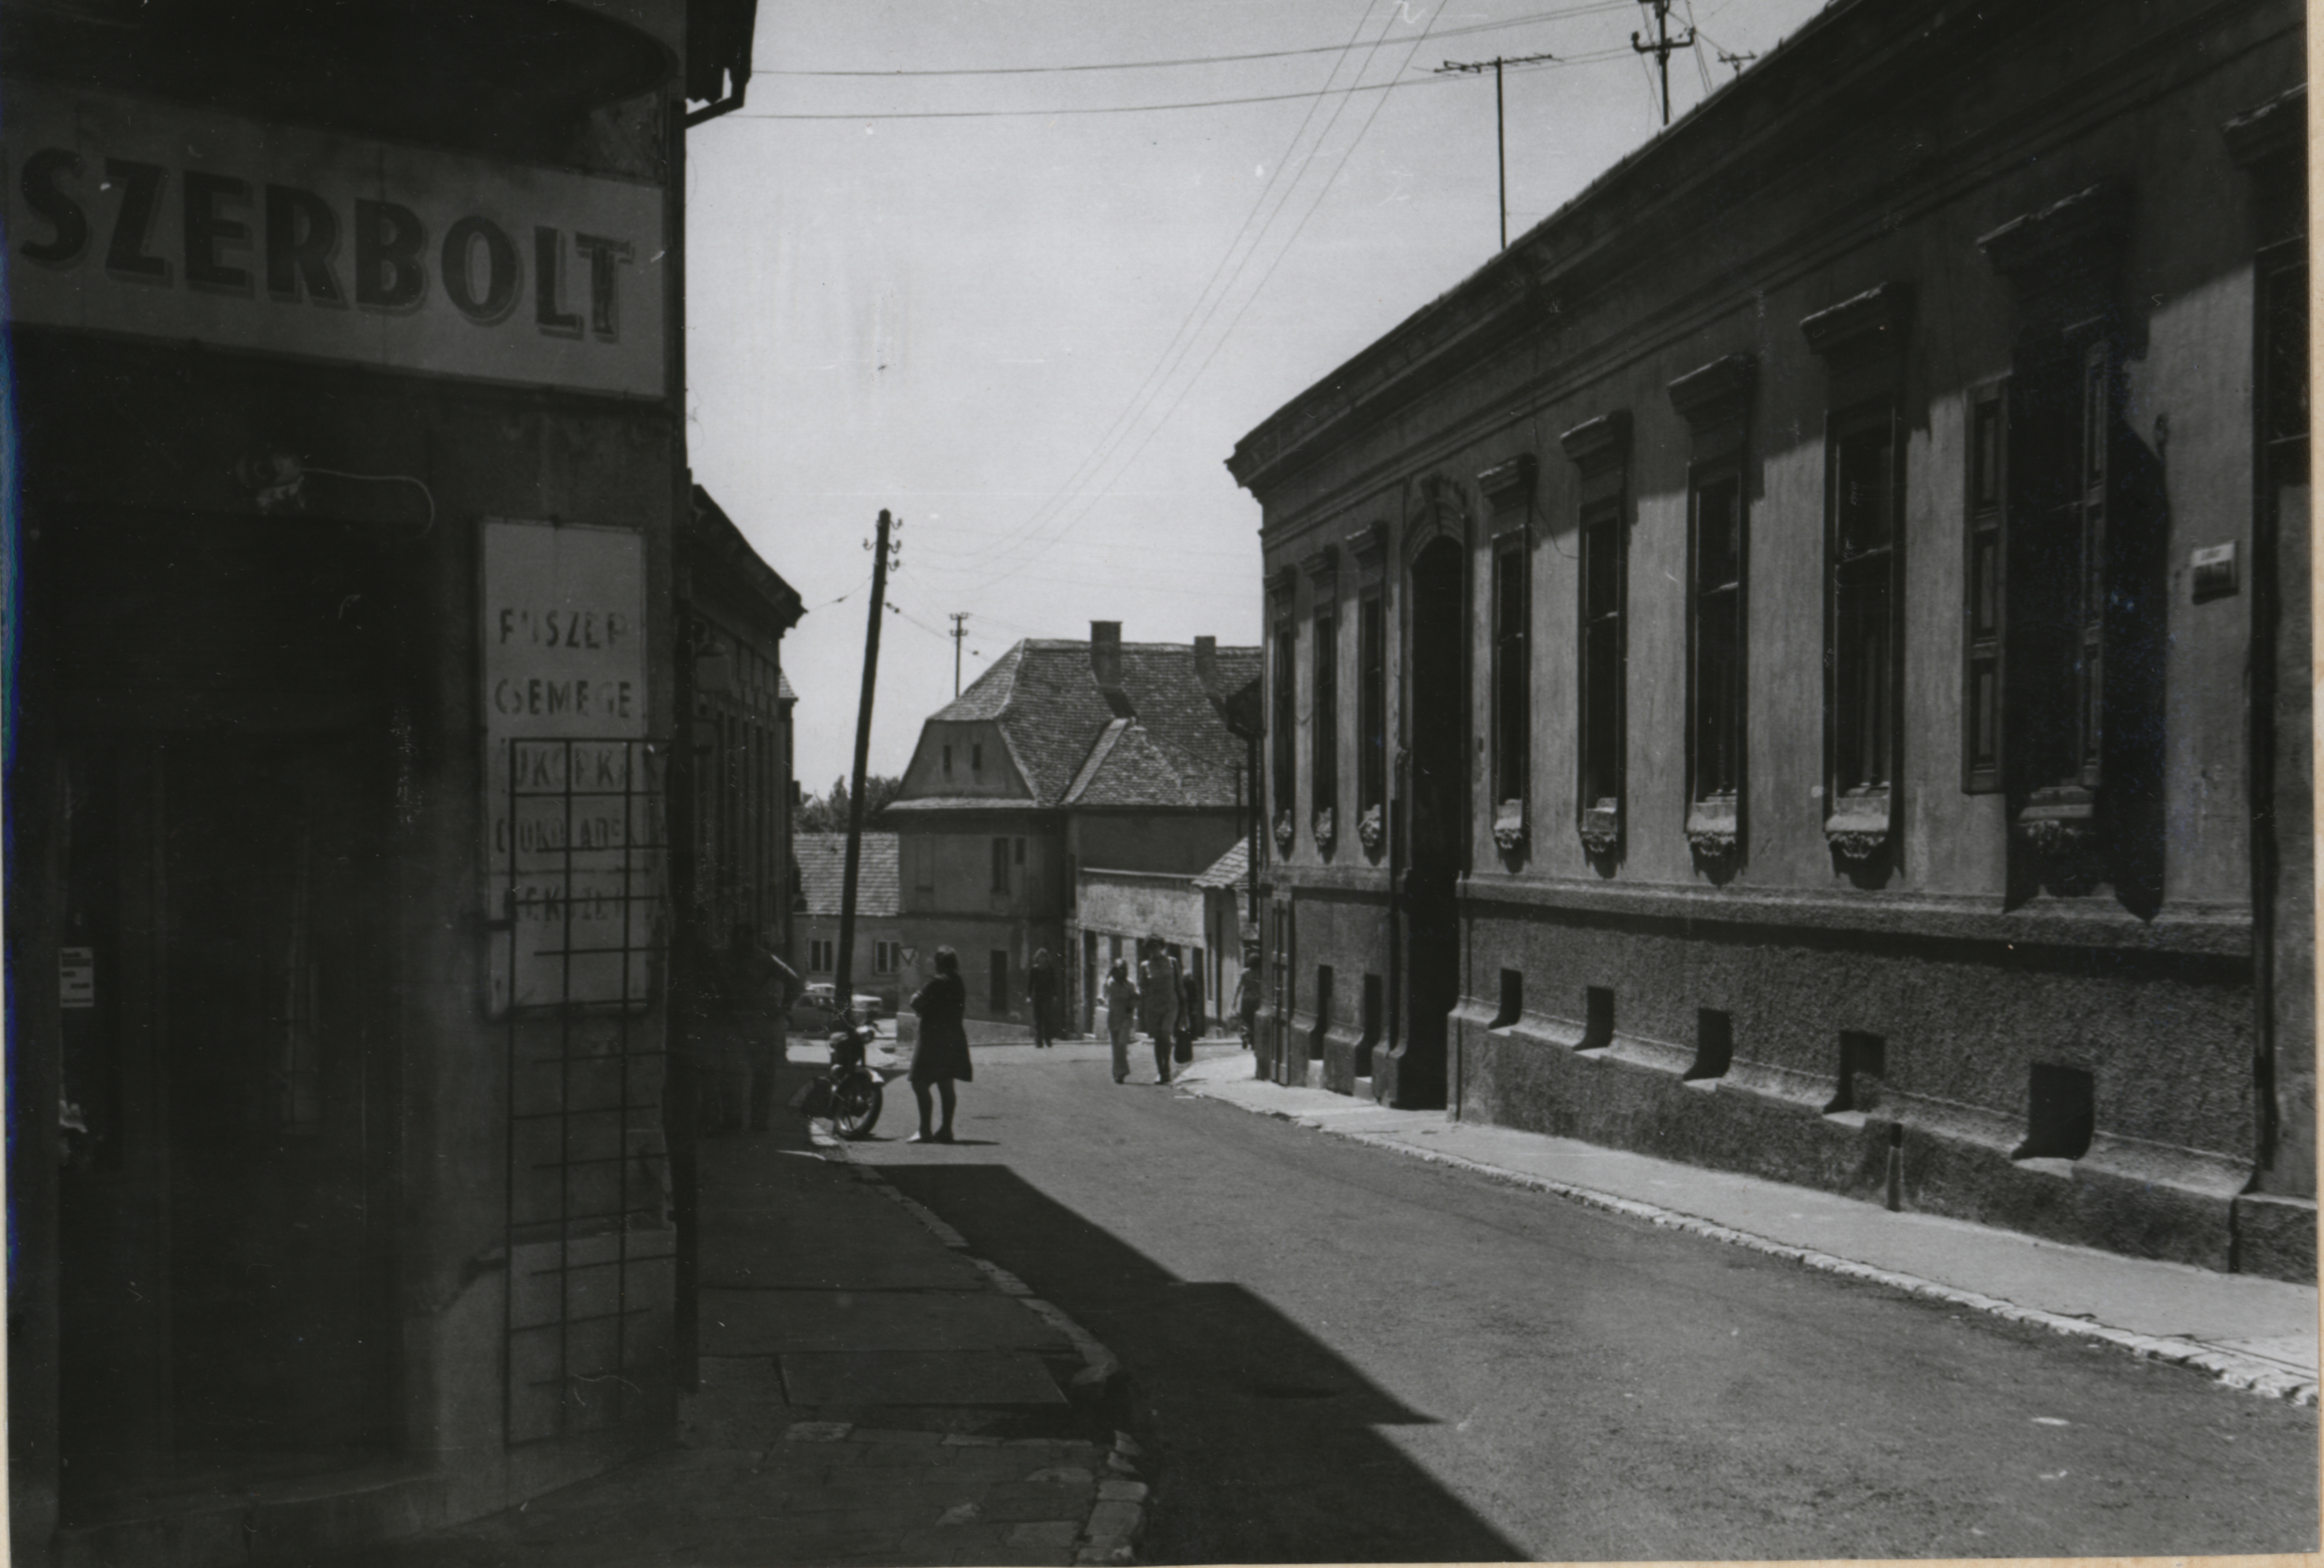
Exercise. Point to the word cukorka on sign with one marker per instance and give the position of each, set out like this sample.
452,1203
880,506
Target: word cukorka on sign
148,219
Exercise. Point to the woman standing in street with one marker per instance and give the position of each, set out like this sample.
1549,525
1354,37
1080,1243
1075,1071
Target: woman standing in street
1121,1017
942,1056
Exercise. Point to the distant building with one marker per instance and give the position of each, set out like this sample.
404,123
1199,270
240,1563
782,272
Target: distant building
821,863
1228,927
1063,755
1812,642
734,609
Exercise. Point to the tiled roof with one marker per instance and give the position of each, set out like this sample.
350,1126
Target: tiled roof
1229,869
822,859
1046,702
783,688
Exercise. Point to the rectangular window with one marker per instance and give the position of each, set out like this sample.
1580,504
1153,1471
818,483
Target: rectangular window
976,757
1020,852
1717,505
1863,485
1371,656
1285,721
1325,717
1000,865
885,958
1512,671
1603,570
822,954
1985,588
947,762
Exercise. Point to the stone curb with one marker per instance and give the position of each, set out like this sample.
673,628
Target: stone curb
2232,1368
1119,1515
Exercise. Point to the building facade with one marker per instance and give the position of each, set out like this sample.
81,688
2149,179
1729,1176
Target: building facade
877,961
1800,664
346,364
1064,757
734,609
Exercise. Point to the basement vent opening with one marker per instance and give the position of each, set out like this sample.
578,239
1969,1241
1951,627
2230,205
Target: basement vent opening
1375,1010
1512,999
1863,1062
1714,1044
2061,1113
1597,1019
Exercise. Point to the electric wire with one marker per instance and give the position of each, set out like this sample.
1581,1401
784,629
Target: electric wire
1252,297
1198,315
1559,14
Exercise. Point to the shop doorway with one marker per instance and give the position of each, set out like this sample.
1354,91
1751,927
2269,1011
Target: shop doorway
1438,805
226,1284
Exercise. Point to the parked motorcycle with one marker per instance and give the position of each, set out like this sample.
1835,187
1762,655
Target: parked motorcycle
848,1091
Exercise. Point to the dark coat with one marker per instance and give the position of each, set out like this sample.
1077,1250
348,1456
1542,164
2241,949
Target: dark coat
943,1050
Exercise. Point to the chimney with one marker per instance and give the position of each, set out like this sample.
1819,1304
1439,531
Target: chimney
1207,661
1105,654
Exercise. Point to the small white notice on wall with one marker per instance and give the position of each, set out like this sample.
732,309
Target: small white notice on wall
76,977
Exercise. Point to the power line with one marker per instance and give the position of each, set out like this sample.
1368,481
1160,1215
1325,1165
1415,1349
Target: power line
1256,288
1206,305
1144,109
1559,14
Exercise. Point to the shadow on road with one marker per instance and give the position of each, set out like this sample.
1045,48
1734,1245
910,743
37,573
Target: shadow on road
1268,1445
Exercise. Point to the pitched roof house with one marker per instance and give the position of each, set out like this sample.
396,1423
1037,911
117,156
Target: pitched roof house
819,886
1123,755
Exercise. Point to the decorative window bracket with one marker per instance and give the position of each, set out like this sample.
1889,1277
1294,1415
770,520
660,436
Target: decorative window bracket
1860,823
1601,829
1371,828
1509,827
1326,832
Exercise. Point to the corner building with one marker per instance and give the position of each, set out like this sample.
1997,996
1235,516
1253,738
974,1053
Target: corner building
346,354
1800,664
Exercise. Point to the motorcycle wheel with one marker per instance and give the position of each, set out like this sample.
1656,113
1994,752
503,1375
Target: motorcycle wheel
855,1108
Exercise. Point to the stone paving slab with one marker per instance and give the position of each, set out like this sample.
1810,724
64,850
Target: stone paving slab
739,1322
2260,1332
919,1377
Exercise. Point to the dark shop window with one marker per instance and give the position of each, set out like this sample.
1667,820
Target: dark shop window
1717,505
1286,721
1371,657
1326,727
1604,570
1512,672
1985,588
1863,491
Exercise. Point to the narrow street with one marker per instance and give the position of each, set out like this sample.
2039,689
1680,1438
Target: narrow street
1346,1355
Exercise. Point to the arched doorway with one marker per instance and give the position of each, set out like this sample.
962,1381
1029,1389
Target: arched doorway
1436,816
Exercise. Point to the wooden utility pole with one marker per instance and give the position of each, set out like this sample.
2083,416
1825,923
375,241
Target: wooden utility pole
1501,127
1662,47
843,981
959,631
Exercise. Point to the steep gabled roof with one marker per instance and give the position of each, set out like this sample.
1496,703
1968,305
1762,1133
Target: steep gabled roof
1068,740
822,859
1229,869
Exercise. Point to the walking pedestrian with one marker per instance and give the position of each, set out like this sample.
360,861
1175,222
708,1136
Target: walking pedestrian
1121,1017
1246,997
1158,993
1192,1023
758,988
942,1056
1042,992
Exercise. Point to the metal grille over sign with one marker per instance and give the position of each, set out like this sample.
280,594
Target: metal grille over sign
576,858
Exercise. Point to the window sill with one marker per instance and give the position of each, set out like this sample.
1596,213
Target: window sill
1714,827
1859,825
1601,829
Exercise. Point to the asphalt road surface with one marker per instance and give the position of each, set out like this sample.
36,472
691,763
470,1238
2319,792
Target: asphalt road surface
1344,1354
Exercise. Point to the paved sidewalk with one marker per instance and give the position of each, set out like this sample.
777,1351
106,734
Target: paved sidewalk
870,1393
2252,1332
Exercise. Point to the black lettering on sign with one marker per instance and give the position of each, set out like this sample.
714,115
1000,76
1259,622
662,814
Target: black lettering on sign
206,230
302,236
501,272
605,293
125,252
389,239
68,225
548,285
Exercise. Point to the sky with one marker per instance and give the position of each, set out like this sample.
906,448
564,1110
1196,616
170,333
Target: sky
955,258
